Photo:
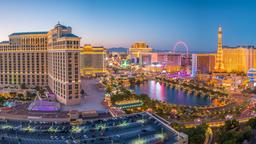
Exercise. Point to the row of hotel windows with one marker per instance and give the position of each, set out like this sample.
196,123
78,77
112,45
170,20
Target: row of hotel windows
22,61
18,60
58,67
60,86
31,71
27,83
71,77
25,42
18,48
39,46
65,44
60,89
35,43
61,65
62,54
23,68
42,80
28,41
24,76
4,47
21,46
36,54
92,61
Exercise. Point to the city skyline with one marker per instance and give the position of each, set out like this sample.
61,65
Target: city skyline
127,71
120,23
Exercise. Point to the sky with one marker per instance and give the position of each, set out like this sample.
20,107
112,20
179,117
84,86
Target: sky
119,23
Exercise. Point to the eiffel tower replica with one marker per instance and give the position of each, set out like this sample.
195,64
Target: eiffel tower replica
219,65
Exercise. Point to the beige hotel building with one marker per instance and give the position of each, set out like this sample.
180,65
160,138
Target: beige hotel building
139,48
92,60
43,59
239,59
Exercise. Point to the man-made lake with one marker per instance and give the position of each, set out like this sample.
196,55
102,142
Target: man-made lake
163,92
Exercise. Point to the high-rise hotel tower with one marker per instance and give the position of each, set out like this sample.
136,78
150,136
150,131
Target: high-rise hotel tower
41,59
63,64
219,66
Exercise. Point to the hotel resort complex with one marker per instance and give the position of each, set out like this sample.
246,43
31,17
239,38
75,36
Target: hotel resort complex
127,72
55,59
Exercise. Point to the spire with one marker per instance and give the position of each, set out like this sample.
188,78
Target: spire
219,28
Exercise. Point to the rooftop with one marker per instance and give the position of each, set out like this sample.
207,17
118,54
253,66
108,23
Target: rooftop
4,42
27,33
239,46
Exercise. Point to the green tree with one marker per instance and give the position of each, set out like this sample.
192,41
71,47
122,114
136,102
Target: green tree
30,95
197,135
82,92
252,122
109,89
115,70
37,88
20,95
231,124
246,134
227,136
2,99
23,86
132,80
229,142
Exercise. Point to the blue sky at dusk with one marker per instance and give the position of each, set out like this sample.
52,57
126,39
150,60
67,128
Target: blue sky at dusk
119,23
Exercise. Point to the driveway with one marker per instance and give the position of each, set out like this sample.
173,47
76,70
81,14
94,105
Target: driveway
91,101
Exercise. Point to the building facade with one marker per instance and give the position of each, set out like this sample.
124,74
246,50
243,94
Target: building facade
23,59
162,62
146,59
203,63
254,58
92,60
164,58
239,59
137,49
64,64
43,59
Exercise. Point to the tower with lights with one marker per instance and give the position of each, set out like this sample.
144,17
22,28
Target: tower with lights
219,65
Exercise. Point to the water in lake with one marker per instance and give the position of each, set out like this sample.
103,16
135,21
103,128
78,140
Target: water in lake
163,92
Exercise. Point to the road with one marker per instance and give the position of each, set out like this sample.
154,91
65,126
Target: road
217,123
209,136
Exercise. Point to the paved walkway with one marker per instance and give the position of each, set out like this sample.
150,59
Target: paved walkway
93,99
